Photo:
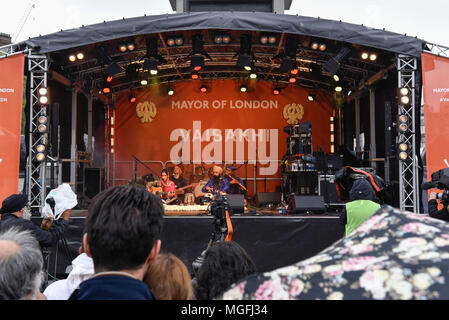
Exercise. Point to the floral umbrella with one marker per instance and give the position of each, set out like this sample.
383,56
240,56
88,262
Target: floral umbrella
393,255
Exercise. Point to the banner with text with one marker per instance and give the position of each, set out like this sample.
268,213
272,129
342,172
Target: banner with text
436,111
11,90
222,125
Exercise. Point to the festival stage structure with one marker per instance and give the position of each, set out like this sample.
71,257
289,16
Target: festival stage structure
287,100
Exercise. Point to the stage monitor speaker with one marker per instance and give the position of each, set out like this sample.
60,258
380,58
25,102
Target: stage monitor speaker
264,198
93,181
306,204
236,203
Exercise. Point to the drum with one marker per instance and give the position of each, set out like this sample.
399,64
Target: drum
189,198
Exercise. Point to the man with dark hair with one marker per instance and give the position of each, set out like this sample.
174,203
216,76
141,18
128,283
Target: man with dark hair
123,230
16,212
21,265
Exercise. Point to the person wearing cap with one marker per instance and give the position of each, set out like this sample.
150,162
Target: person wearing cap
16,212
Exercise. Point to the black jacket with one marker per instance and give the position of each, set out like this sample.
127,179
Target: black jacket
46,238
442,214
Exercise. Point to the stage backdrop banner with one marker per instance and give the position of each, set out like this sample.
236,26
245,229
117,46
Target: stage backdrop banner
11,90
222,125
436,112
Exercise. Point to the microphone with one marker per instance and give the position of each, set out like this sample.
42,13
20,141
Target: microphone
429,185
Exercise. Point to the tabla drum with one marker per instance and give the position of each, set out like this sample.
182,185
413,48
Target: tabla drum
189,198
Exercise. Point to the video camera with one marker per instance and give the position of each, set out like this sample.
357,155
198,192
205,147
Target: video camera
439,180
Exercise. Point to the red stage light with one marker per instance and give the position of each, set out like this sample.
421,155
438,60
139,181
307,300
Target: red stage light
292,80
106,90
109,78
195,76
276,91
203,89
294,71
197,68
132,100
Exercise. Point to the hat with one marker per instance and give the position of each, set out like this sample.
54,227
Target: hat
14,203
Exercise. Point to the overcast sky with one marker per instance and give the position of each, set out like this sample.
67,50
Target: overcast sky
426,19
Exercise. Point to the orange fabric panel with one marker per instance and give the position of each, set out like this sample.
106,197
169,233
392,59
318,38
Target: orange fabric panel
436,111
208,122
11,90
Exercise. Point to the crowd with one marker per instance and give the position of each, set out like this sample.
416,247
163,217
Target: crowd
110,266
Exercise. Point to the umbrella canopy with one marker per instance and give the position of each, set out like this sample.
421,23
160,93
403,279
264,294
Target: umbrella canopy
393,255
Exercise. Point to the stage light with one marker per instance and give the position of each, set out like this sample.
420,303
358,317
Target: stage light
403,123
404,91
226,39
197,62
403,127
405,96
43,99
179,41
175,41
42,128
322,47
292,80
403,156
122,47
318,45
276,91
373,57
80,56
365,55
132,98
243,88
151,65
42,119
170,91
195,75
253,75
43,91
244,59
272,39
220,38
263,39
40,148
170,42
403,147
336,77
143,82
106,90
131,46
314,46
338,89
203,89
294,71
109,79
333,64
311,97
40,156
72,58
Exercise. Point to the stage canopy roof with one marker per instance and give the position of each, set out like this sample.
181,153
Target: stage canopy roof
220,59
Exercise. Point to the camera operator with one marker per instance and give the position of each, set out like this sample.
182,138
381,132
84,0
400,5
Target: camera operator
442,214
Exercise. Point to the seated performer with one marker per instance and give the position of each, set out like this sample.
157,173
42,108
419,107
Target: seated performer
216,184
179,181
168,189
236,185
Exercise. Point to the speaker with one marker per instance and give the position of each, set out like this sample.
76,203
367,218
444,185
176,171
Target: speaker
236,203
329,192
93,181
306,204
264,198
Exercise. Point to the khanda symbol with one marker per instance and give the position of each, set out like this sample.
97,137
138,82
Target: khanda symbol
146,111
293,113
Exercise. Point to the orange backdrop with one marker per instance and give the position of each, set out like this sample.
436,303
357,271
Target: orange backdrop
11,90
436,111
188,114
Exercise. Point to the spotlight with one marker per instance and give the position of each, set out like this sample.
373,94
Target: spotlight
338,89
131,46
143,82
109,79
373,57
272,39
40,156
403,123
195,75
322,47
122,47
403,147
220,38
403,156
132,98
294,71
253,75
179,41
243,88
203,89
40,148
318,45
106,90
42,119
311,97
314,46
72,58
336,77
170,91
43,91
292,80
364,55
404,91
276,91
43,99
175,41
226,39
42,128
405,96
80,56
263,39
170,42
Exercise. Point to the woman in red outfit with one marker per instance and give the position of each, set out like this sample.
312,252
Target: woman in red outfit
168,187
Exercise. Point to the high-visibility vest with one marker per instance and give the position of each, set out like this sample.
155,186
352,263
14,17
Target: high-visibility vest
357,212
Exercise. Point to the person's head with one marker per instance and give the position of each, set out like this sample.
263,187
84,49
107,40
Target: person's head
217,171
164,175
169,279
21,265
123,228
177,172
225,262
16,204
361,190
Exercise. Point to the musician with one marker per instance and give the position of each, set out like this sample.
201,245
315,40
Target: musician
168,188
179,181
216,184
236,185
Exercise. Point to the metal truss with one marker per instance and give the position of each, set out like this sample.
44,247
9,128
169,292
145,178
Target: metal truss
436,49
408,168
38,68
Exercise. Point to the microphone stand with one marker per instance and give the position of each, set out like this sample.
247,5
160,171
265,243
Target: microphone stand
137,160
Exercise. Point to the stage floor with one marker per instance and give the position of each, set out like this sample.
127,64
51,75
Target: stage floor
271,239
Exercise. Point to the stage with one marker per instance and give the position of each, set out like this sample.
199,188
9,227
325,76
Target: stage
272,240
